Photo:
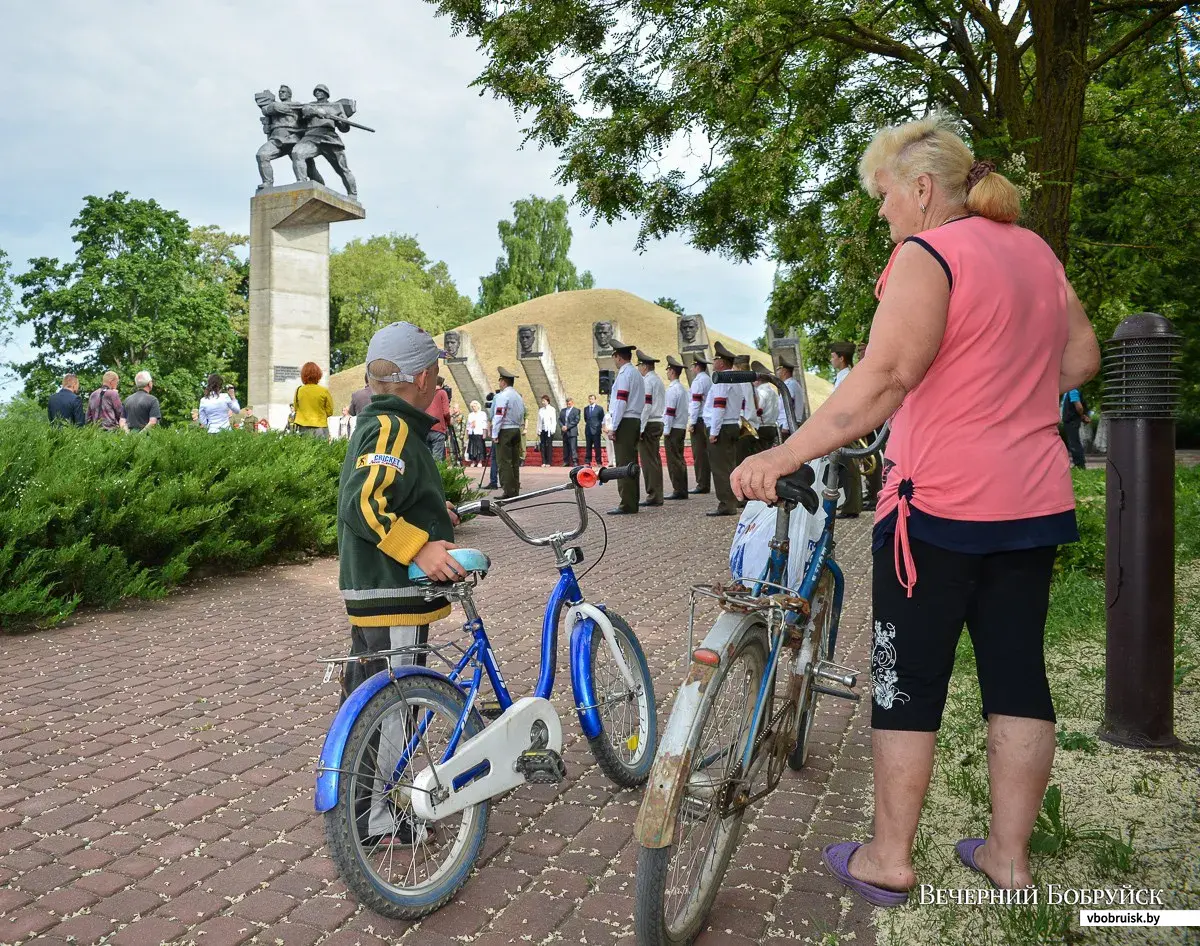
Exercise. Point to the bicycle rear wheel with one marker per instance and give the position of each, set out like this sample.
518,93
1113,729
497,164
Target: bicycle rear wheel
677,884
821,617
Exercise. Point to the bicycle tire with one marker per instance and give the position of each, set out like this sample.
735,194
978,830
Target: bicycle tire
344,822
632,772
822,599
651,923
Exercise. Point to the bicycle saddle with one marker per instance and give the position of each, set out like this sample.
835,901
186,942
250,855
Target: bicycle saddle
472,561
796,488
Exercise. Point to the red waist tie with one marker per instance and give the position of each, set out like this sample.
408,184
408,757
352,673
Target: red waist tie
906,568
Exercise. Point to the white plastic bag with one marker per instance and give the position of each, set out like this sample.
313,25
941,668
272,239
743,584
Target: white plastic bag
750,550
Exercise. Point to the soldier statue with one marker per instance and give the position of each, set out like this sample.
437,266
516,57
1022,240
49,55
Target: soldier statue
305,131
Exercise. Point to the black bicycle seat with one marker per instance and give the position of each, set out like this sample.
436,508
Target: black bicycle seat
796,488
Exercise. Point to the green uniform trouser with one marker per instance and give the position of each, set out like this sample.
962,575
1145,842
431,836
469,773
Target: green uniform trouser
508,460
700,457
625,445
724,459
767,437
676,465
851,480
650,460
746,447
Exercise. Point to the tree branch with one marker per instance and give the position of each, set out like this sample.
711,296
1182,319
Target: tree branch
1116,5
1165,11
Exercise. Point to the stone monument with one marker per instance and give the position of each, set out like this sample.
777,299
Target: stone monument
533,351
603,335
693,338
782,344
465,367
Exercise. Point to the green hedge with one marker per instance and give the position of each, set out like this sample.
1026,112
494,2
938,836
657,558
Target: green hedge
89,518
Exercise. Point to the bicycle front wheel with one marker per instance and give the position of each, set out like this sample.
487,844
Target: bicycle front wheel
677,884
394,863
625,746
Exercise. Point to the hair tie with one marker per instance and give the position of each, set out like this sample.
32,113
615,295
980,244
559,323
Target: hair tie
979,170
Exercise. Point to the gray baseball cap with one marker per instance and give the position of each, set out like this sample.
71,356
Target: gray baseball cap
409,348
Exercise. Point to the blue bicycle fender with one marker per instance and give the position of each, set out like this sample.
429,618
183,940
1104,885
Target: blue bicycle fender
332,751
581,678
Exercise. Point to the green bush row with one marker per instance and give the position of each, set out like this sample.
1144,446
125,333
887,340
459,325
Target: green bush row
89,518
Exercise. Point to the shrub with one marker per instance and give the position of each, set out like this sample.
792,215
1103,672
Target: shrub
91,518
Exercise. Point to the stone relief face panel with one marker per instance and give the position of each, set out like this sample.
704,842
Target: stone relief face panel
529,339
450,344
692,332
603,336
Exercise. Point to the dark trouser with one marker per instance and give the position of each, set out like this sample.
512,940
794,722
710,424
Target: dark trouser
724,457
676,465
851,482
368,640
625,445
475,448
593,442
570,449
746,447
700,457
508,461
1074,444
650,460
322,433
494,463
437,444
767,437
874,480
1002,597
546,444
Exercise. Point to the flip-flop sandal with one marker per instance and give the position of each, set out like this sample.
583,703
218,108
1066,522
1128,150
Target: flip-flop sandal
837,859
966,849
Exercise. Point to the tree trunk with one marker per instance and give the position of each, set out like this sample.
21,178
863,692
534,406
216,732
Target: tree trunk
1060,31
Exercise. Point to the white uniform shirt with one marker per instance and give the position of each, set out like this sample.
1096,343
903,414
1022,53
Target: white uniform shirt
675,413
723,406
797,404
509,411
841,376
700,387
749,404
655,398
768,404
628,397
547,419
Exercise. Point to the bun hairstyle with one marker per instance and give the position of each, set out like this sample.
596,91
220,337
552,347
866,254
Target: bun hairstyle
929,146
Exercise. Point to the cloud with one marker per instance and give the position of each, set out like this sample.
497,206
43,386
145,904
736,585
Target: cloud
157,99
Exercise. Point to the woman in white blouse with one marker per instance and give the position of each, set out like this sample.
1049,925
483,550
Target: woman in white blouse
477,426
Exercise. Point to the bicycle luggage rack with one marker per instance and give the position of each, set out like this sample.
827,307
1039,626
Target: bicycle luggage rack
736,598
409,650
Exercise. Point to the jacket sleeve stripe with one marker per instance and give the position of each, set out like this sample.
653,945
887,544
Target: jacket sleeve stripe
369,484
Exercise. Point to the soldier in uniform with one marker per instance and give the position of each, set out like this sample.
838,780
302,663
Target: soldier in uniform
768,407
324,120
281,122
722,416
698,423
625,413
649,457
787,372
508,434
747,443
675,425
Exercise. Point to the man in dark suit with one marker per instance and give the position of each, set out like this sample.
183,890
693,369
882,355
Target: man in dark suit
65,404
568,420
593,425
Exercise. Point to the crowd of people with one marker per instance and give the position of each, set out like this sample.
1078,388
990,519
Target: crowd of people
105,408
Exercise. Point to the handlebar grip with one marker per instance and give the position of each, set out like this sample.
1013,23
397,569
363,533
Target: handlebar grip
485,508
628,471
735,377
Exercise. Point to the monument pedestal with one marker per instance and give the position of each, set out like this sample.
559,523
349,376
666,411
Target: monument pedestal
289,289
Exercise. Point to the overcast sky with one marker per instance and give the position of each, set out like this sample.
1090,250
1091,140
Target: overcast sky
156,98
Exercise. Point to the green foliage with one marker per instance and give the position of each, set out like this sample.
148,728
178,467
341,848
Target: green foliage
89,518
6,296
1087,555
536,261
666,302
387,279
138,295
223,262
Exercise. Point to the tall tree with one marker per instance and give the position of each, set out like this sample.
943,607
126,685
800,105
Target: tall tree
7,315
536,261
224,262
666,302
771,94
387,279
135,297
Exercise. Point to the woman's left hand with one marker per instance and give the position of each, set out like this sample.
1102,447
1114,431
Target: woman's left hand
454,520
755,477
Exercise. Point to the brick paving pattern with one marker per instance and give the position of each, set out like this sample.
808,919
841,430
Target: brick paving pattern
157,778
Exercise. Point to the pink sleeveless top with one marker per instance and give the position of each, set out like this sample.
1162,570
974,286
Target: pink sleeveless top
977,439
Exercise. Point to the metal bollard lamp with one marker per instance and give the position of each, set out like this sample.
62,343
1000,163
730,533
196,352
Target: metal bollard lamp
1141,393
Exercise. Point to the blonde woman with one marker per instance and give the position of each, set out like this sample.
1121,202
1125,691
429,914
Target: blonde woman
477,428
976,336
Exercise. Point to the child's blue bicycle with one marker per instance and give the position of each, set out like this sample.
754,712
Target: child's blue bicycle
743,714
414,756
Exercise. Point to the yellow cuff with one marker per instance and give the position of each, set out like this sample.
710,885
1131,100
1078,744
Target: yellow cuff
403,541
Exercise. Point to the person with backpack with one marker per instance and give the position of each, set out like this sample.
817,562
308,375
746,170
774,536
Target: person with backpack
104,404
1074,415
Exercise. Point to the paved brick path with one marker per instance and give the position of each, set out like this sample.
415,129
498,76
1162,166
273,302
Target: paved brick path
157,775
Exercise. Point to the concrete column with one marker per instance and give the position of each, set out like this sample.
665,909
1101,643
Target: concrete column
533,352
289,289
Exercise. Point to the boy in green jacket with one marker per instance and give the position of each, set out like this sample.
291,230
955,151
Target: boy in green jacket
391,507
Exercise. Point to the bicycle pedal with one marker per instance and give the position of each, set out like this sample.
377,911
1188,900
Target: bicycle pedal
828,670
490,709
831,691
541,766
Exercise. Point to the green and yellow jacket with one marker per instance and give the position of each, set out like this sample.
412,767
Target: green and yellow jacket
390,503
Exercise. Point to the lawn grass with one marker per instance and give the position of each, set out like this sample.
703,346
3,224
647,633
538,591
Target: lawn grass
1111,816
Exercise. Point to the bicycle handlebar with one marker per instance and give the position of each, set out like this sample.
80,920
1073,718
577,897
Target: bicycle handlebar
626,472
857,453
749,377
